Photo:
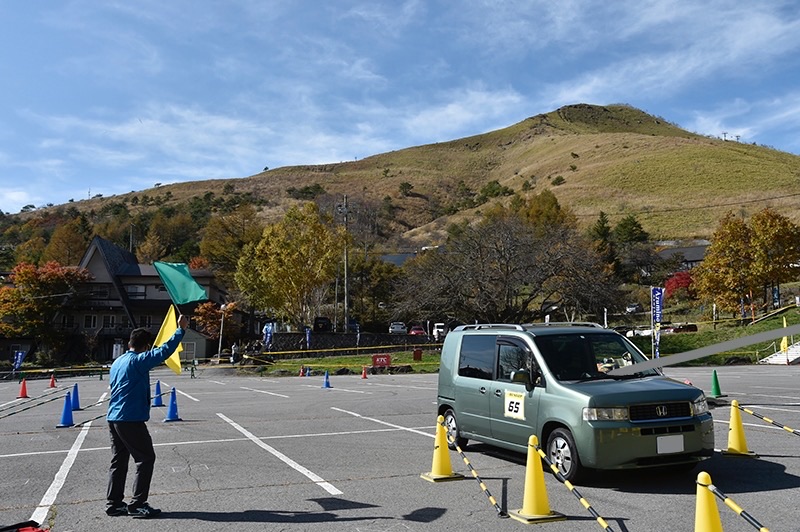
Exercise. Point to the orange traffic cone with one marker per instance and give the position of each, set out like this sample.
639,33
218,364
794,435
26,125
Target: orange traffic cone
441,469
737,441
535,506
706,513
23,390
364,372
53,380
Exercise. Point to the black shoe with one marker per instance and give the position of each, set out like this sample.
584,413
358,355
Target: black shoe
145,511
117,509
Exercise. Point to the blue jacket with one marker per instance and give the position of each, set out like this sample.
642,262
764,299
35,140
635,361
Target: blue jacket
129,379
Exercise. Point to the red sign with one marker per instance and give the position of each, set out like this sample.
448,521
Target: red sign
381,360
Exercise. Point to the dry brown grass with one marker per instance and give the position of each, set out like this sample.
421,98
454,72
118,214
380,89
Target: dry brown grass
614,159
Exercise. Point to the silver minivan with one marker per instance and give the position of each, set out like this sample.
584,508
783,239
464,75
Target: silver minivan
500,383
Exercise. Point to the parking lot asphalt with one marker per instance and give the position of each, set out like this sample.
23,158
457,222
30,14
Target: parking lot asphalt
288,453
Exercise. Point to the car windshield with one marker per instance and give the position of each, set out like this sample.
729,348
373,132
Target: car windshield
588,356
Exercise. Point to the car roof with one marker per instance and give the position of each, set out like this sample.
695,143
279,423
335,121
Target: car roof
540,329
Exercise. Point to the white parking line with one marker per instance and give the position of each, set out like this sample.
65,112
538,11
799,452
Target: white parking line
182,393
40,514
264,391
415,431
402,386
338,389
321,482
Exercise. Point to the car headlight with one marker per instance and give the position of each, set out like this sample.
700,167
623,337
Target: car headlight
700,405
605,414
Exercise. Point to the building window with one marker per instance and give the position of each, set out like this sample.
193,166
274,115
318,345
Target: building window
109,321
189,350
68,321
136,291
99,293
145,321
124,321
90,321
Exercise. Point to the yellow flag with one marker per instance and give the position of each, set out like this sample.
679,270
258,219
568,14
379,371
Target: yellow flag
785,341
166,331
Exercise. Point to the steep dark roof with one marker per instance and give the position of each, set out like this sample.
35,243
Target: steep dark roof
119,261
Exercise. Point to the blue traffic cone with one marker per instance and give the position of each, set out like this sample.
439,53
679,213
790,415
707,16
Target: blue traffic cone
172,411
157,401
327,382
76,401
66,414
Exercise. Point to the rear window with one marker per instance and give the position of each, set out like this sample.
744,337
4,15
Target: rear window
477,356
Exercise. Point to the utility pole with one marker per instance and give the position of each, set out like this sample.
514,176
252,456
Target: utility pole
344,210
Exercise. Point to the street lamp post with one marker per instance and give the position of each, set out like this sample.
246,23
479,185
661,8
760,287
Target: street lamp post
221,325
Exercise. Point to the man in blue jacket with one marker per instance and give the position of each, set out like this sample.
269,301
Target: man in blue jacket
128,412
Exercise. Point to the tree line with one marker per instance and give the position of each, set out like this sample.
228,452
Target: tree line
514,262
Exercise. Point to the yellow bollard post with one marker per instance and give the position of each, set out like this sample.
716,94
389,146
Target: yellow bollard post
706,513
441,469
737,442
535,504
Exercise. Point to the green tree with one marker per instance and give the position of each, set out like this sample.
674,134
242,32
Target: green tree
68,243
635,255
292,266
543,211
224,238
726,276
601,234
775,245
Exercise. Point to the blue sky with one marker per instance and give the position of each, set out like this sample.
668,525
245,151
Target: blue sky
113,96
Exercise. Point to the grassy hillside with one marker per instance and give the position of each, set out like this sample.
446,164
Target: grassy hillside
615,159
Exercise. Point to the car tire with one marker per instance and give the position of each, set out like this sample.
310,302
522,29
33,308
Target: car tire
453,434
562,453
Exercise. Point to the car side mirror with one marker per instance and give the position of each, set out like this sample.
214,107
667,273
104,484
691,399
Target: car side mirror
523,376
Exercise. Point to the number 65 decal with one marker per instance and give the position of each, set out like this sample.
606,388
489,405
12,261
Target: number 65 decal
514,405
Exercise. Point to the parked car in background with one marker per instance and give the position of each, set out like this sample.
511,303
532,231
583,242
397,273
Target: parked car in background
397,327
417,330
634,308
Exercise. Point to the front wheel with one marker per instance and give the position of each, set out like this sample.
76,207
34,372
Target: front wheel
563,453
453,434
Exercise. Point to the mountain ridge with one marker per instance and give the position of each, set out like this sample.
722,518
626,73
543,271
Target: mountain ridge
616,159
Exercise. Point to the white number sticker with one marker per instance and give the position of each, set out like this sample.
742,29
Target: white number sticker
514,405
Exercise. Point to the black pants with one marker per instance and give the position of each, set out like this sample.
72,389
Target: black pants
130,439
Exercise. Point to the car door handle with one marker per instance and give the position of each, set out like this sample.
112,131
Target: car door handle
482,389
498,393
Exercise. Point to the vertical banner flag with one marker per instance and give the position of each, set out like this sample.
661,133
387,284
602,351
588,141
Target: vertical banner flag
180,285
19,356
656,307
166,331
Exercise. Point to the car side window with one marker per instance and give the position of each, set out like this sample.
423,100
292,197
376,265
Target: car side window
476,358
511,357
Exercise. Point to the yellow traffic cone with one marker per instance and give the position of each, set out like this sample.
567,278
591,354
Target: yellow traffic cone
441,469
706,513
535,505
737,442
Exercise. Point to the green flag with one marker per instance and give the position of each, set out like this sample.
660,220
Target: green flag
180,285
